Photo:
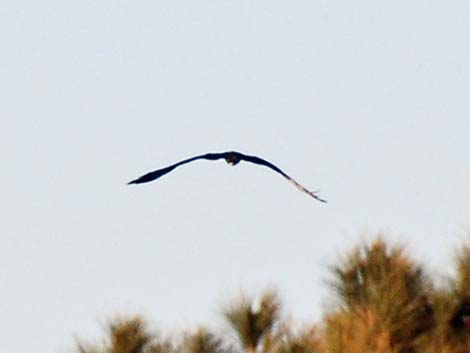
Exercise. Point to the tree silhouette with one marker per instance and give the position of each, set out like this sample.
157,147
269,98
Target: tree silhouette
385,304
203,342
305,341
252,324
383,286
130,335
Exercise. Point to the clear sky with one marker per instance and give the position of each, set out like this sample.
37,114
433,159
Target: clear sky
367,101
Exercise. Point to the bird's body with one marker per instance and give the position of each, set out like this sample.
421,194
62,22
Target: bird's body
231,157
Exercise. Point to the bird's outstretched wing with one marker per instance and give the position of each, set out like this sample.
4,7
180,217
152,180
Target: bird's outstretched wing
160,172
260,161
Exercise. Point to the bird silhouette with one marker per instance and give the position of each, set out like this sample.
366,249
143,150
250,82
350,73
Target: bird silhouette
230,157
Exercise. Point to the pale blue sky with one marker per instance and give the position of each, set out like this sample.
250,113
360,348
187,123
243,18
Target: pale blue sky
367,101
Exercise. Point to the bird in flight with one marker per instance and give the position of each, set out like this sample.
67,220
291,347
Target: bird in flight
232,158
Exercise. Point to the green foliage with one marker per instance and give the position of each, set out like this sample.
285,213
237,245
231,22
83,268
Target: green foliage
386,305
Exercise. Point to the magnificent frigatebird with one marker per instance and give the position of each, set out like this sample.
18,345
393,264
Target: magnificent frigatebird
230,157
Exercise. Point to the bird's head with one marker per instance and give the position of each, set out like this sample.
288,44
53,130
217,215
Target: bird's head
232,158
